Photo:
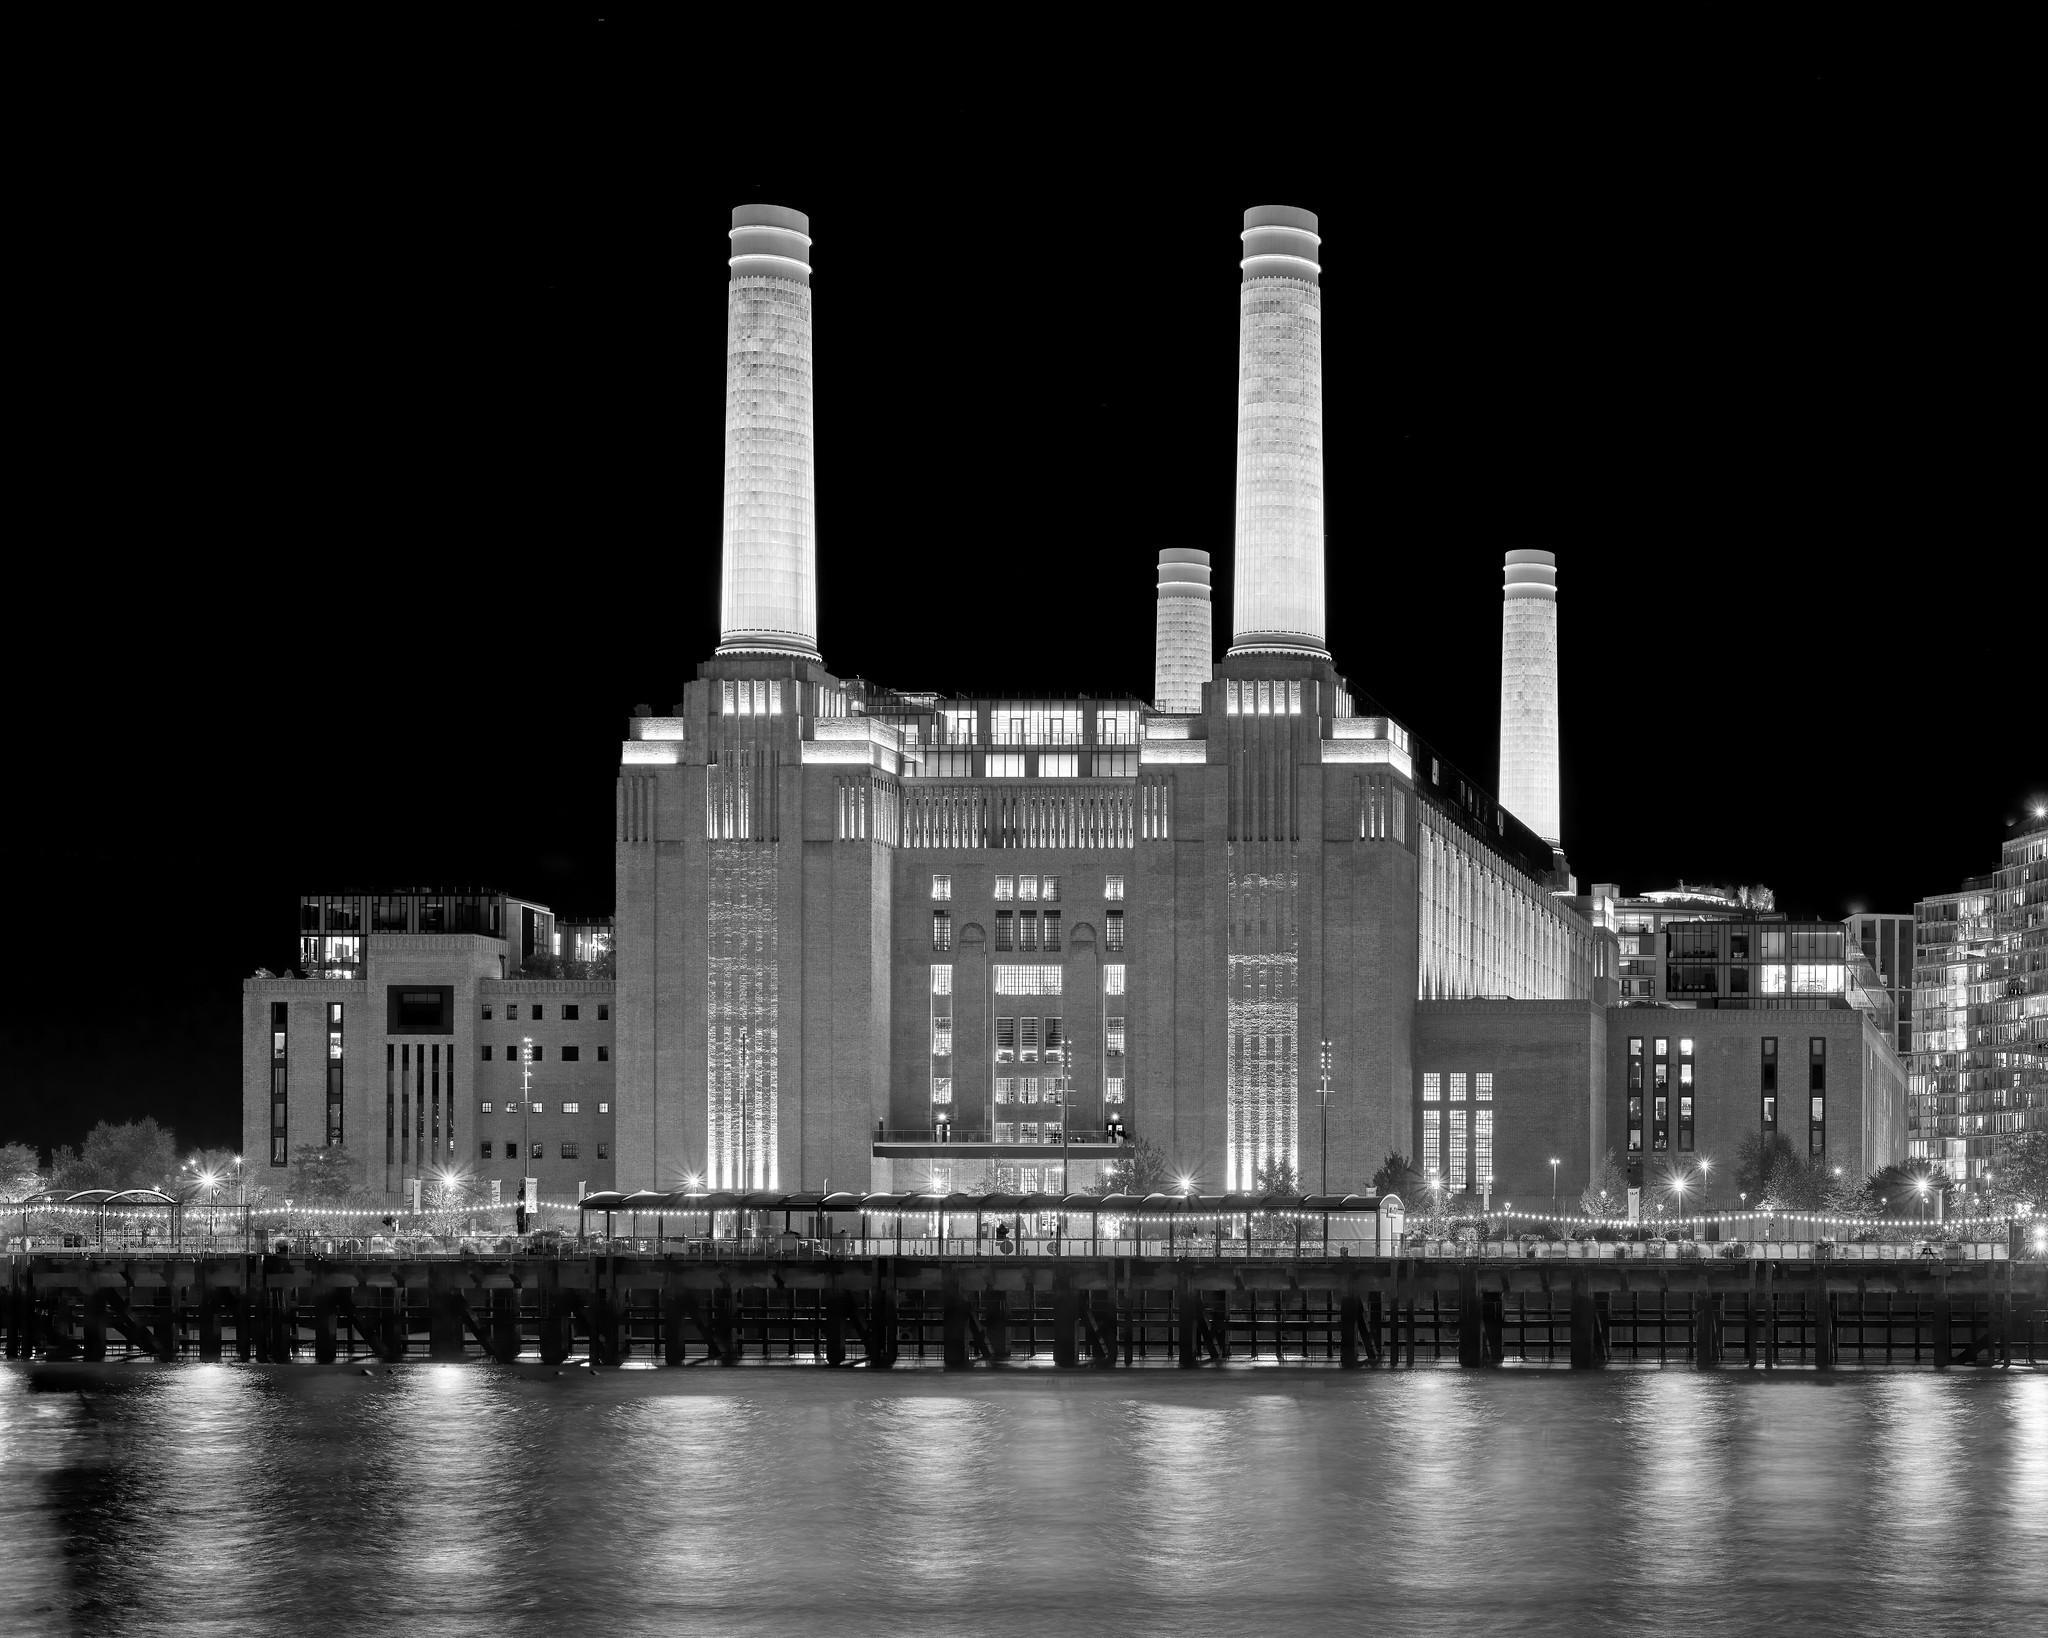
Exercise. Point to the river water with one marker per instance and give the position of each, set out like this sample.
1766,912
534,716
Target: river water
477,1499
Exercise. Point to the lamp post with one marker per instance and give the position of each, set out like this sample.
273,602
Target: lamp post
1553,1185
1323,1098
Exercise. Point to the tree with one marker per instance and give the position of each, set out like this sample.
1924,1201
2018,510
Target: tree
1903,1188
139,1154
1607,1194
21,1171
1275,1178
1756,897
1140,1170
2019,1176
1398,1176
324,1177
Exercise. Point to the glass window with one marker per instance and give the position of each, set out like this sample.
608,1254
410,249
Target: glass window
1113,979
942,887
572,1054
1482,1086
604,1151
1006,887
1113,1037
486,1050
1457,1086
1049,888
942,930
487,1012
604,1054
485,1107
571,1014
1113,929
1432,1086
942,980
604,1109
604,1012
1113,889
488,1149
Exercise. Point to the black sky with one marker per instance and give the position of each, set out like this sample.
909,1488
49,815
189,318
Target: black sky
379,397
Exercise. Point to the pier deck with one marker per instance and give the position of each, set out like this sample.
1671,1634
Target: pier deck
1074,1311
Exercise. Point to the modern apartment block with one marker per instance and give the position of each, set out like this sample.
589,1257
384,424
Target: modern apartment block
1887,944
413,1044
1979,1066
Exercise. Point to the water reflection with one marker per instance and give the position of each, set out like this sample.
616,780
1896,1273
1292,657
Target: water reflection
472,1500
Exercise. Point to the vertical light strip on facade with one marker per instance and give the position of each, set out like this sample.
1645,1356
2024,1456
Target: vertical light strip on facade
1528,693
1277,581
768,587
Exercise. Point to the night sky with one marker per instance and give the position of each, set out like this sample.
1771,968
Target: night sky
381,395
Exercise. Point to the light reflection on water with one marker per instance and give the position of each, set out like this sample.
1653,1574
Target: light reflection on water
467,1499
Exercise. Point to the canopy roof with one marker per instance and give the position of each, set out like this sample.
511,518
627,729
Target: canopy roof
98,1197
700,1200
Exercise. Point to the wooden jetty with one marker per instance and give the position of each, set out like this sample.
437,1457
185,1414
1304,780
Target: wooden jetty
1070,1311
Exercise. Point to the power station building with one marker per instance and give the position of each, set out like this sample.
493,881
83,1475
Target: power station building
884,938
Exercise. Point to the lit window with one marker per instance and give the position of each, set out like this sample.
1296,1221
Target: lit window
942,980
1113,1037
1113,978
1482,1086
572,1108
942,930
572,1149
1058,765
1027,887
1685,1046
1006,764
1457,1086
1006,1088
1027,1089
942,1038
539,1151
540,1108
1027,1132
1432,1086
1006,929
1006,1131
1027,1040
1006,1040
1113,929
942,1089
604,1109
942,887
1049,889
1027,980
1006,887
1113,1089
484,1107
1113,889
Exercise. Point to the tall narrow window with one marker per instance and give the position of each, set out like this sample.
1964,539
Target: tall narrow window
1635,1094
942,930
334,1075
1052,930
1660,1098
1460,1178
1006,930
1482,1149
1770,1083
942,887
1457,1086
942,980
1055,1042
1006,1040
1817,1090
280,1013
1432,1143
1685,1095
1113,979
391,1105
1049,889
1113,929
1113,1037
1027,929
1027,1041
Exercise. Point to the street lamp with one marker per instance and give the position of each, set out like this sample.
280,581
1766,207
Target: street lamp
1553,1185
1706,1184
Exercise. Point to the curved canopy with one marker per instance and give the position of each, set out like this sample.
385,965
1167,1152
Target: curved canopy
98,1197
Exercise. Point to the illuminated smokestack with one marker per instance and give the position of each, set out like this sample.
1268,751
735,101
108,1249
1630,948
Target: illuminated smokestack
768,585
1182,641
1277,580
1528,693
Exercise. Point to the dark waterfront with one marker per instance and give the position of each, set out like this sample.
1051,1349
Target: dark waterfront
476,1499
